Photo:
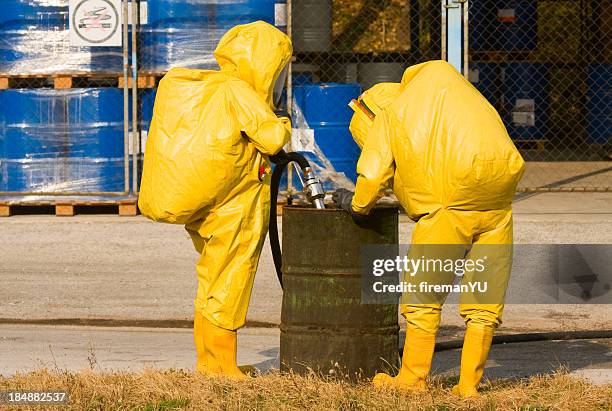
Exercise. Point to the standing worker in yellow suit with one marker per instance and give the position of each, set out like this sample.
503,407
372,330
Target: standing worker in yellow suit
206,166
448,157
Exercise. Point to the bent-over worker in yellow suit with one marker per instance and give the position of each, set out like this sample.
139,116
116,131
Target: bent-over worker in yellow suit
445,151
206,166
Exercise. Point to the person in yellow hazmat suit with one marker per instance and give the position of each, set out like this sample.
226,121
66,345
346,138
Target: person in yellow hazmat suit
445,152
207,166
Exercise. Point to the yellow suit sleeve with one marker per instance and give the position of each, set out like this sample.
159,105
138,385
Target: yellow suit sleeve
268,132
376,166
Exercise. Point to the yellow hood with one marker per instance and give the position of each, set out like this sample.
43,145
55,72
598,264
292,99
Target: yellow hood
256,53
374,99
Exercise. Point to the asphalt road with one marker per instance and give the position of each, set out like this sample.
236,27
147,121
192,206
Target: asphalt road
131,269
27,348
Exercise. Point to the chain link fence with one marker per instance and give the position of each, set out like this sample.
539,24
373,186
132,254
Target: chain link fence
544,65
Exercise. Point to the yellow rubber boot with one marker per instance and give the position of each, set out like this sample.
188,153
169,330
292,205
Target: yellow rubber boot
220,348
416,362
198,340
476,345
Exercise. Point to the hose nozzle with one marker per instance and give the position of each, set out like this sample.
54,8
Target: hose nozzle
313,190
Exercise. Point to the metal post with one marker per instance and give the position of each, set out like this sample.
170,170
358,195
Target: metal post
454,34
289,98
126,111
135,131
454,24
466,38
443,29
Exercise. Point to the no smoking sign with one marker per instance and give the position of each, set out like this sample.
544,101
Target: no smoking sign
95,23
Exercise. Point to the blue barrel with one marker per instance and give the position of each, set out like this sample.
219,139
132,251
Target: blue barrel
61,140
184,33
525,108
486,78
35,39
599,103
33,124
95,121
32,174
14,12
322,109
147,98
503,25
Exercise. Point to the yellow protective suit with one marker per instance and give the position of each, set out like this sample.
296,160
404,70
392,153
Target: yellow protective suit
206,162
448,157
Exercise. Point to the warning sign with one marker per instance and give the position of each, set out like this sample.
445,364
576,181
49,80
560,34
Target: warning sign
95,23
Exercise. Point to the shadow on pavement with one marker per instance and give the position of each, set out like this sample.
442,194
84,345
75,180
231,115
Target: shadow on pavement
533,358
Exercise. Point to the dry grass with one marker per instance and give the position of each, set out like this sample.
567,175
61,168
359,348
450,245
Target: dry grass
166,390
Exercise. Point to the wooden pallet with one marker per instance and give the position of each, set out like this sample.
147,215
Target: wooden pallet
146,79
76,80
531,144
68,207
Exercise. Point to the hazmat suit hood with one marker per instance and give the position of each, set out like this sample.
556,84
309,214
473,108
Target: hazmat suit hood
368,106
256,53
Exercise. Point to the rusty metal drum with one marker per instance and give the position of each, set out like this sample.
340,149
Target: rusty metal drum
324,326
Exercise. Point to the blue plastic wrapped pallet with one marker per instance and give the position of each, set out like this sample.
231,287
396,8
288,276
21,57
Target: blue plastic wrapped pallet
599,104
61,141
503,25
34,38
184,33
321,118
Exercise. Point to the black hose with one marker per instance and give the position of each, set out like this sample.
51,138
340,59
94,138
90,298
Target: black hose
299,159
273,230
281,160
530,337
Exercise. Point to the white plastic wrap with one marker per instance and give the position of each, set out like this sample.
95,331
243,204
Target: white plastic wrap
303,140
